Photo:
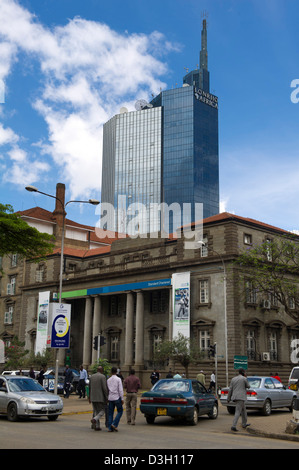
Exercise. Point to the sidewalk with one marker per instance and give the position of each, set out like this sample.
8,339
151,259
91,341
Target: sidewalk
272,426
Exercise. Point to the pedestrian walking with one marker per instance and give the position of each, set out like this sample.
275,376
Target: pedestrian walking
40,377
155,376
237,394
115,399
213,381
132,385
98,397
177,375
68,378
201,377
82,382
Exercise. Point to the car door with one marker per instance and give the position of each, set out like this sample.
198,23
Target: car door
273,393
285,398
202,397
3,396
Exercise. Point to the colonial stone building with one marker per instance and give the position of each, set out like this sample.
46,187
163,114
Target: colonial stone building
123,290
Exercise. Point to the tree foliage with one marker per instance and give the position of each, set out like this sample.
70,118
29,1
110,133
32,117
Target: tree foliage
101,362
15,354
16,236
273,269
181,349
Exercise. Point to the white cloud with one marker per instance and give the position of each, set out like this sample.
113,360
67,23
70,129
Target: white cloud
7,136
88,71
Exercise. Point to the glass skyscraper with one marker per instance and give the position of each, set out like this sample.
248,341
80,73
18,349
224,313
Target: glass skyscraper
165,152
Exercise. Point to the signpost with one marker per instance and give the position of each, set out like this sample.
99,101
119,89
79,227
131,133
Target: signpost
241,362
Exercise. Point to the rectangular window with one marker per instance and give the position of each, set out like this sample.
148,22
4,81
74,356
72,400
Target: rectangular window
114,348
14,260
204,340
39,275
8,316
204,292
251,293
247,239
11,287
204,251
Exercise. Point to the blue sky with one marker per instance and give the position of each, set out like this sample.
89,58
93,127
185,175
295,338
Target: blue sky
67,66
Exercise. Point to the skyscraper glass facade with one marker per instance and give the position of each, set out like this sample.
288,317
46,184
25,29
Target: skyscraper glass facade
132,169
167,152
190,152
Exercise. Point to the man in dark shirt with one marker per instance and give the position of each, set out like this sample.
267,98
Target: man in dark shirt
68,378
131,385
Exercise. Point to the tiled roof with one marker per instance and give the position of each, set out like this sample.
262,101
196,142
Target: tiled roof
77,253
226,216
105,236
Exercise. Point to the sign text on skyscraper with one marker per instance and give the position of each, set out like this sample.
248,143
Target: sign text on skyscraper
206,98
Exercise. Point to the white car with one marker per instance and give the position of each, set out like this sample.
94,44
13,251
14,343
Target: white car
24,397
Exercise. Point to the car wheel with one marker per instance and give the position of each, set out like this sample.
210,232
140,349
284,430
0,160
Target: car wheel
12,412
194,419
150,419
214,412
231,410
292,405
52,417
267,408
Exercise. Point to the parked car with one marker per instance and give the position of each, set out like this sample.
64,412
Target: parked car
265,394
24,397
294,379
178,398
25,372
49,377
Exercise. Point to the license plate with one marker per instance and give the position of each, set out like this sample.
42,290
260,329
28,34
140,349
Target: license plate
162,411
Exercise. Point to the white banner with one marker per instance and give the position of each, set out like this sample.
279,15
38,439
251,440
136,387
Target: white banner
181,304
2,352
42,322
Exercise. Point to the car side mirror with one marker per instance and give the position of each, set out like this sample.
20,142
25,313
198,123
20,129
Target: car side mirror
3,389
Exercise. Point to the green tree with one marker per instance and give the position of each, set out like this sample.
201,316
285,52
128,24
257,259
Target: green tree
272,269
15,354
181,349
16,236
101,362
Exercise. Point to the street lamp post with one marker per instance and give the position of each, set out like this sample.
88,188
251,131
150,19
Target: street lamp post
225,312
63,206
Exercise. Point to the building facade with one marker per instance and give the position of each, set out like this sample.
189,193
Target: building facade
165,152
124,292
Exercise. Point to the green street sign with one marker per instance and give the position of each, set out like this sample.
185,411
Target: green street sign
241,362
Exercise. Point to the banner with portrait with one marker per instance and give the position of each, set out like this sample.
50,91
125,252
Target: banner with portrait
42,322
181,304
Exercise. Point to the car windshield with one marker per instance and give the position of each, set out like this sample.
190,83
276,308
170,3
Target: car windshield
24,385
172,386
254,382
295,374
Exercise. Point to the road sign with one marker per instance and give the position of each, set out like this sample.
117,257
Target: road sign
241,362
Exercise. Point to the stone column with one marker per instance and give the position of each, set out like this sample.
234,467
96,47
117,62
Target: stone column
139,355
129,339
87,332
96,327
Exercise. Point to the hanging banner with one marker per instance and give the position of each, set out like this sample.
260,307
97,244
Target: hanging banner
2,352
181,304
42,322
61,325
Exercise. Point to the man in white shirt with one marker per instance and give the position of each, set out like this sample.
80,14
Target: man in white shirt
82,382
115,399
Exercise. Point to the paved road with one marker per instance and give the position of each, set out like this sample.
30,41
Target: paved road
72,431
